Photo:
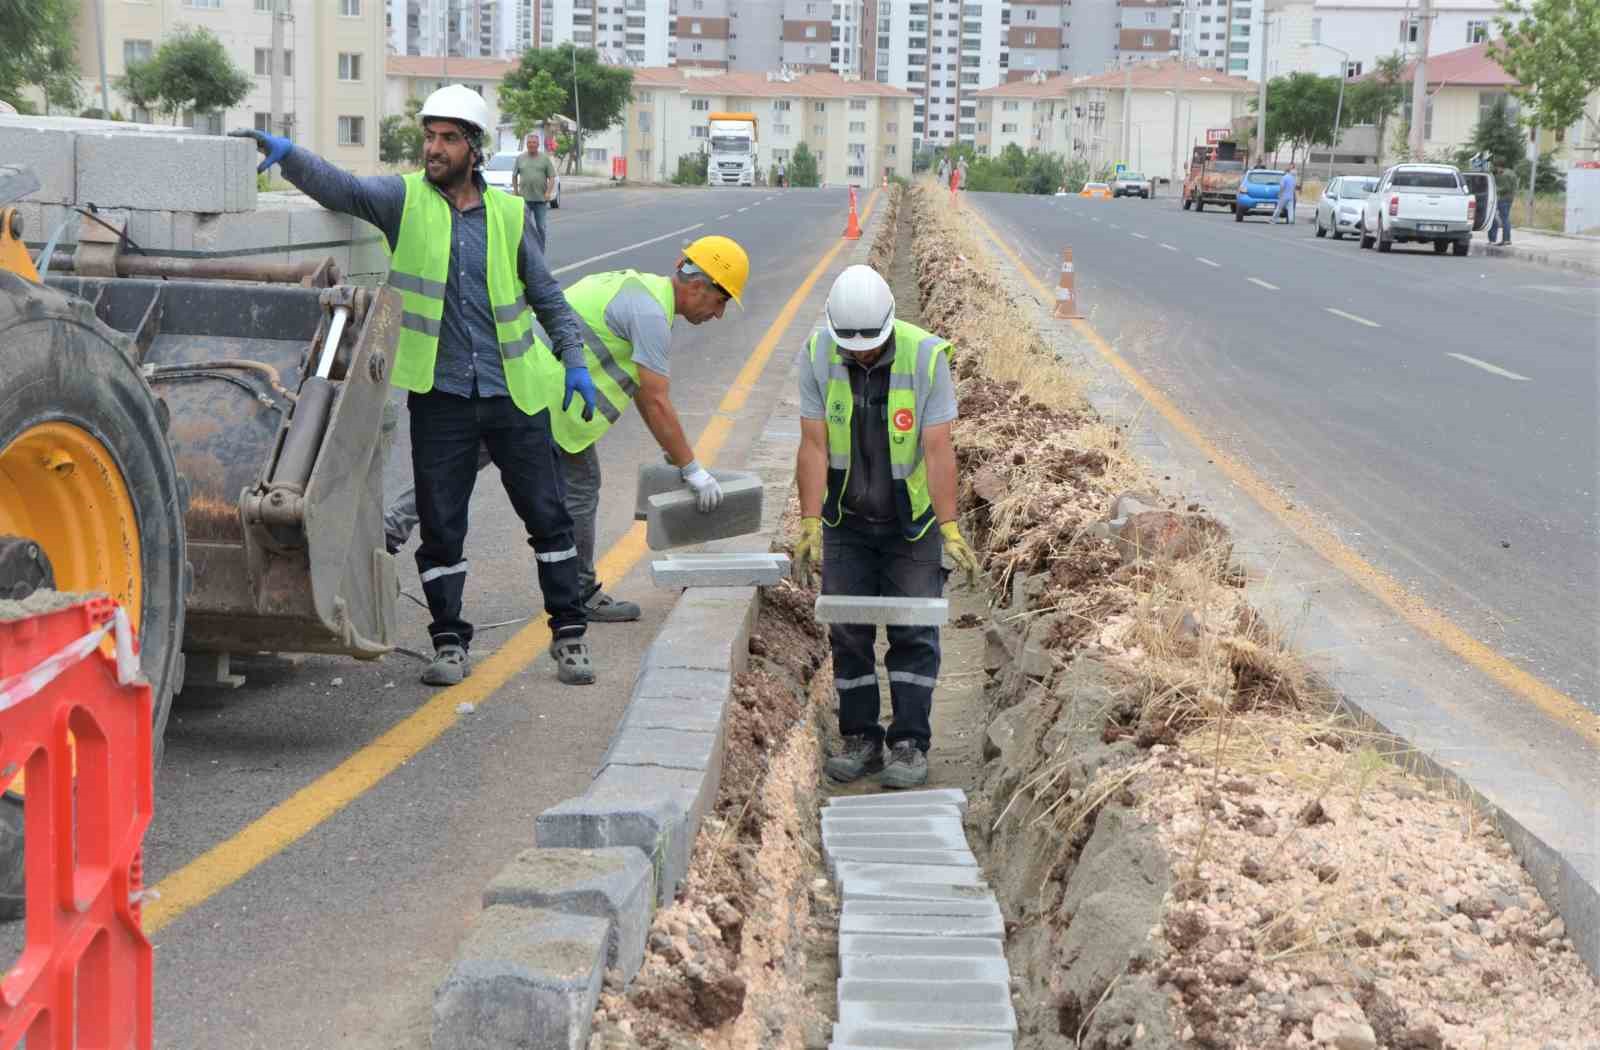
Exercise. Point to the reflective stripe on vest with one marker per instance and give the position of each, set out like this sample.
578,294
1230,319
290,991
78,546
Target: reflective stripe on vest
910,385
418,269
608,355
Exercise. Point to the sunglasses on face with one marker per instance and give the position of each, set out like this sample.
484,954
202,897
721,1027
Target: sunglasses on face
862,333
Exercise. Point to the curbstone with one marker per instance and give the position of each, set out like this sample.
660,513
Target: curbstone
524,979
935,873
701,716
955,993
948,827
865,609
873,1037
708,630
924,926
983,1017
722,570
866,855
888,813
984,906
179,172
891,946
681,683
665,748
924,968
49,152
674,520
895,888
657,479
840,834
614,883
924,797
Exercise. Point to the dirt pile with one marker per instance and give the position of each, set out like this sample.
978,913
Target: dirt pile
720,963
1192,847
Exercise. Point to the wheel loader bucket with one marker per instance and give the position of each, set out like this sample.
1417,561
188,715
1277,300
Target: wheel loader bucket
276,397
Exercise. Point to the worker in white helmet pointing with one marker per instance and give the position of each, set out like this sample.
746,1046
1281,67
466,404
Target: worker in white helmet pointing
877,479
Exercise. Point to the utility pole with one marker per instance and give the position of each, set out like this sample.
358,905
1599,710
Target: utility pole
1127,103
277,121
577,118
100,42
1419,81
1177,96
1261,95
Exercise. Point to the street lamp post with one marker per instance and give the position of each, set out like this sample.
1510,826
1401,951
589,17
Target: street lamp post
1338,111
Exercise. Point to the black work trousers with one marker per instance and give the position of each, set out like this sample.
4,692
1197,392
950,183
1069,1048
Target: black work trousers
446,431
864,558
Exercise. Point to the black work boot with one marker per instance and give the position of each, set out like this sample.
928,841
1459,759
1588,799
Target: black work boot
602,608
449,666
858,756
907,766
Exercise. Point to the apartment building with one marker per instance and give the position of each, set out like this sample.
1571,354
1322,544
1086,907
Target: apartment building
1367,30
859,130
333,64
458,28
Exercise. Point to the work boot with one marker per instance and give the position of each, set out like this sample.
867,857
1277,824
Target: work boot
602,608
859,756
907,767
573,665
449,666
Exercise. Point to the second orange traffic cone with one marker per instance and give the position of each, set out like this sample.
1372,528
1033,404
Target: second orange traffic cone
852,229
1067,307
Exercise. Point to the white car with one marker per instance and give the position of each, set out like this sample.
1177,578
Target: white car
497,172
1339,210
1427,203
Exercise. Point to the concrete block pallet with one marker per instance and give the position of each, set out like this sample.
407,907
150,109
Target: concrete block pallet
921,939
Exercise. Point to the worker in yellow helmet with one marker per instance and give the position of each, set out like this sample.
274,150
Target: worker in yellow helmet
626,318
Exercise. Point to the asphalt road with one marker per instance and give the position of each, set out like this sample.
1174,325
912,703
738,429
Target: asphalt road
339,939
1439,414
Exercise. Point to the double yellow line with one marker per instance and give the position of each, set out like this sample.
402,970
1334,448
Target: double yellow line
280,827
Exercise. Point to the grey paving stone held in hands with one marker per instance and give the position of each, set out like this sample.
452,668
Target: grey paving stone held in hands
656,479
674,519
722,570
865,609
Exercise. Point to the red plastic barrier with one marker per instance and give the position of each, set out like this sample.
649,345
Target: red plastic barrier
84,978
619,169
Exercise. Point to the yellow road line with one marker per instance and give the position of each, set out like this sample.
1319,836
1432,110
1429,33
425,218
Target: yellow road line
1553,702
290,820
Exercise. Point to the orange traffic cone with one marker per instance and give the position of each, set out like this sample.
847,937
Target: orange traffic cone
1066,295
852,229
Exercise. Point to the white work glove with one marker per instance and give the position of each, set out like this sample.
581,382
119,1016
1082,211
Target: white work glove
707,492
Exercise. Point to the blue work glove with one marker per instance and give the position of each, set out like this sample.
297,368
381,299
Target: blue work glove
274,146
578,382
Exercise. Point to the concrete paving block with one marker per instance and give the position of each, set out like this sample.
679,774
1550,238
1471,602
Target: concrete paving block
979,907
888,813
832,825
947,874
924,968
834,839
701,716
615,883
965,1016
925,925
656,479
728,570
681,683
867,609
177,172
48,151
263,235
890,946
965,993
524,979
874,1037
708,630
892,888
656,810
924,797
867,855
664,748
675,521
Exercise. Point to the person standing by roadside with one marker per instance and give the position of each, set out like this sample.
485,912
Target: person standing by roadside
467,264
962,168
1506,185
534,176
1286,194
876,472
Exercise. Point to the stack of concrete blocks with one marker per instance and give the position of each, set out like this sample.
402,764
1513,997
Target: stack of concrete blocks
921,939
180,193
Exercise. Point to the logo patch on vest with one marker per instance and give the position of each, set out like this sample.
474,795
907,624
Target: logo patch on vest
903,420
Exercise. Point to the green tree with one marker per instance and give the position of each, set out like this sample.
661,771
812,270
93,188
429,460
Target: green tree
1376,99
400,137
1300,111
190,70
38,49
602,91
692,169
1046,173
1552,48
526,108
1496,136
803,167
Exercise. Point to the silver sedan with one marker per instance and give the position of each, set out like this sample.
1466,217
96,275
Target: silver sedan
1339,209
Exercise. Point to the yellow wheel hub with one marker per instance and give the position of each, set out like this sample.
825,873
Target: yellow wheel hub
60,487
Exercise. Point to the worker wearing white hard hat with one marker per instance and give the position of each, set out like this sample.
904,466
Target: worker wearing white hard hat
877,477
468,264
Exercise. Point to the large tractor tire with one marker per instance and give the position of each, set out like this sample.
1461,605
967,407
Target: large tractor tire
87,475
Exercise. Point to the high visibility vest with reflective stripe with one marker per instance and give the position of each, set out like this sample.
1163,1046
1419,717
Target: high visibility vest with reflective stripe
418,269
608,355
910,384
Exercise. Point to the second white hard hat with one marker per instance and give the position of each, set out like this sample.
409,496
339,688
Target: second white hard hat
860,309
456,102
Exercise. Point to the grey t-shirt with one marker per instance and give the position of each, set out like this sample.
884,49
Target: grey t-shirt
941,399
634,314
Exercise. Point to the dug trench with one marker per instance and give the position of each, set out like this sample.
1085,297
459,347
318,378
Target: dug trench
1191,843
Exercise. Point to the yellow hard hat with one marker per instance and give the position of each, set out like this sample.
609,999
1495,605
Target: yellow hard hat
722,260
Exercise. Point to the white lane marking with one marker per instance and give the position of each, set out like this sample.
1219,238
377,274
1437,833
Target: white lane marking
1269,286
725,215
1208,262
1168,247
1114,226
1141,236
1487,367
628,248
743,210
1352,317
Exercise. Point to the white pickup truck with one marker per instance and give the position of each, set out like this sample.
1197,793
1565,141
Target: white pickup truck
1428,203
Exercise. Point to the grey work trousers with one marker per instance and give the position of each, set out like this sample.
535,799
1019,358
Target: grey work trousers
582,472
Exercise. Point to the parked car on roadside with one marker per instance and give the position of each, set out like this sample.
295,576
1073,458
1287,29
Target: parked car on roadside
1258,191
1131,184
497,172
1101,190
1425,203
1339,209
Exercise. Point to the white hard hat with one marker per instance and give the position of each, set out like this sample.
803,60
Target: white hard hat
456,102
860,309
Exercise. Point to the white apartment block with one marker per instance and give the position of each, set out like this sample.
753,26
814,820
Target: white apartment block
333,65
456,28
1367,30
942,51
